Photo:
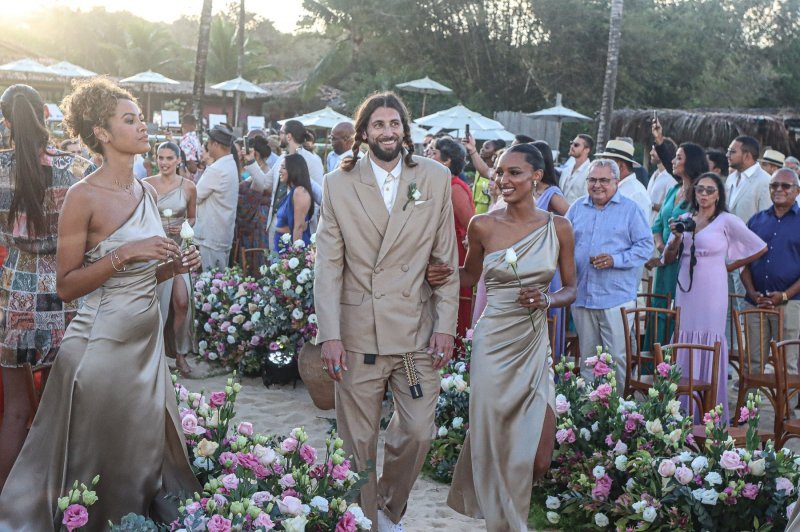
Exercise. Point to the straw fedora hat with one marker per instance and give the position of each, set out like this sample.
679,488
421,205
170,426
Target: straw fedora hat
617,149
773,157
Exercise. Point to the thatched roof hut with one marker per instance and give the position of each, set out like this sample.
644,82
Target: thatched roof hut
712,129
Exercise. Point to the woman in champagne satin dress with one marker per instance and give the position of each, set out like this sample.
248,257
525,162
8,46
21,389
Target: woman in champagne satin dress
509,443
109,407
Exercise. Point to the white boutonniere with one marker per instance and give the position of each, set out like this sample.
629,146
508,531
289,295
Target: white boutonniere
412,195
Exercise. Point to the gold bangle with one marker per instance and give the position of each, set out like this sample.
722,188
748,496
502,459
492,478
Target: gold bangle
115,256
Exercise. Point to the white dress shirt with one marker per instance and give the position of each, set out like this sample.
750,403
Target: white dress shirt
660,183
573,184
387,187
736,181
631,188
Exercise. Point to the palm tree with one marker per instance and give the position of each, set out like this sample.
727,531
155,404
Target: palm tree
201,61
610,81
239,61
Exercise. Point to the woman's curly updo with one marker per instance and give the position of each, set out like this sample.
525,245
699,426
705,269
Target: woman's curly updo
91,104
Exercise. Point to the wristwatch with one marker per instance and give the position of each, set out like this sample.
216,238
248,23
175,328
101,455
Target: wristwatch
785,298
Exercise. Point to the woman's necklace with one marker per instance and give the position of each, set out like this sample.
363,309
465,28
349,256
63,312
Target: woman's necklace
127,187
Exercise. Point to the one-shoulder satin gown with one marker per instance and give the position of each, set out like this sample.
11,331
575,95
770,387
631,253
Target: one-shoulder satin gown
511,381
108,408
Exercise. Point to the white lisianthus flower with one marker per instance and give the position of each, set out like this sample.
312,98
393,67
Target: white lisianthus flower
553,517
621,462
212,355
287,284
458,422
511,257
595,426
685,456
598,471
710,497
231,329
298,290
255,317
713,478
416,195
298,244
601,520
639,506
314,238
649,514
263,269
630,484
207,328
273,267
312,318
654,427
286,238
442,432
459,383
294,262
297,313
652,392
320,503
552,503
202,345
585,434
231,339
699,464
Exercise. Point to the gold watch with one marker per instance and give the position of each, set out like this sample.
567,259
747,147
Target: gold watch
785,298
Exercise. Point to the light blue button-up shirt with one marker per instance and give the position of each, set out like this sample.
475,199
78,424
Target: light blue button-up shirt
619,229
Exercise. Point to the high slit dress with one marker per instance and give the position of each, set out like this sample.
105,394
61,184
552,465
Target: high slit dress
511,381
108,408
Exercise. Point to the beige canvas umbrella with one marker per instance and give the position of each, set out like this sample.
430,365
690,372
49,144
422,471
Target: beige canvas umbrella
424,86
240,87
146,80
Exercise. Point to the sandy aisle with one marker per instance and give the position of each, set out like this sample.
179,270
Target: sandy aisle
279,409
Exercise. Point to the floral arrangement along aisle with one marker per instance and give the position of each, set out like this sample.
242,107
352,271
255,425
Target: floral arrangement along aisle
253,482
634,465
258,325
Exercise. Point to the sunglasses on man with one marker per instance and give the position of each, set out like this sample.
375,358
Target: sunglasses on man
784,186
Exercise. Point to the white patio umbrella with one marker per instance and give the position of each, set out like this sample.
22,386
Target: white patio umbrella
67,69
146,80
417,133
492,134
559,114
325,118
240,87
458,118
26,65
424,86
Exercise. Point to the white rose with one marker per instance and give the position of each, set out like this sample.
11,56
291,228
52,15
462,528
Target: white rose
416,195
757,467
294,262
713,478
287,284
286,238
442,432
601,520
167,213
459,383
699,463
621,462
298,244
458,422
511,257
649,514
295,524
552,503
654,427
187,232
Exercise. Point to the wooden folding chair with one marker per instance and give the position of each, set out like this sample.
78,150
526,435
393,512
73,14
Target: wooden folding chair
753,374
733,348
638,356
789,386
251,265
700,393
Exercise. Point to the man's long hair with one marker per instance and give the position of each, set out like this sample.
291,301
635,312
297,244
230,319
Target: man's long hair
363,114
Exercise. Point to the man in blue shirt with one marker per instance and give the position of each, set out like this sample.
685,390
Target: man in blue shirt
612,242
773,280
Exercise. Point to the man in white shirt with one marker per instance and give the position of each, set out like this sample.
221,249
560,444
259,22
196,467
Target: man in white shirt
573,181
342,137
747,189
661,181
217,197
621,152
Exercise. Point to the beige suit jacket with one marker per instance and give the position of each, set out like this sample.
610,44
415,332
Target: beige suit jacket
369,289
753,197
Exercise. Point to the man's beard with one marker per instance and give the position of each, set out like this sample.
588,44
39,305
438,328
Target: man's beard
383,155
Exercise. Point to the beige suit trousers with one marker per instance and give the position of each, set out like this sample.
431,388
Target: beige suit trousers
603,327
791,331
408,437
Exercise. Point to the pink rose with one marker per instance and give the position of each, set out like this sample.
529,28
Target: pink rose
600,369
347,523
562,405
290,505
731,461
289,445
601,488
218,524
784,484
75,516
217,399
684,475
666,468
245,428
263,521
230,482
189,424
220,500
287,481
750,491
308,453
663,369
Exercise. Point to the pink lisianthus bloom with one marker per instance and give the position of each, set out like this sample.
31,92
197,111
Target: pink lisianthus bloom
308,453
260,498
228,459
601,393
610,440
750,491
230,481
601,368
217,399
339,472
218,523
731,461
75,516
255,340
565,435
189,424
290,505
744,414
666,468
562,405
263,521
245,428
289,445
347,523
784,484
261,472
468,336
663,369
591,361
247,460
620,448
684,475
287,481
601,488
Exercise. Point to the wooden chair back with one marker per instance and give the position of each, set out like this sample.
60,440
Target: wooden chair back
252,259
639,357
730,326
787,390
700,393
752,328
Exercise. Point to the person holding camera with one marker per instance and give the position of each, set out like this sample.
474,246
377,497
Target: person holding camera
703,241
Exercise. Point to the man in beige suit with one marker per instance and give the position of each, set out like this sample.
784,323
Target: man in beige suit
385,215
747,189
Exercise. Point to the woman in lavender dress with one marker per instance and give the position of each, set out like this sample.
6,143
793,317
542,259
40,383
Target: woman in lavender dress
720,243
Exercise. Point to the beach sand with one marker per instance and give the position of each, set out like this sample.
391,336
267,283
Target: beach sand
279,409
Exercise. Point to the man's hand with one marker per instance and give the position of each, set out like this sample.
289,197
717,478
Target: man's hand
437,274
655,262
441,349
333,358
603,261
771,300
